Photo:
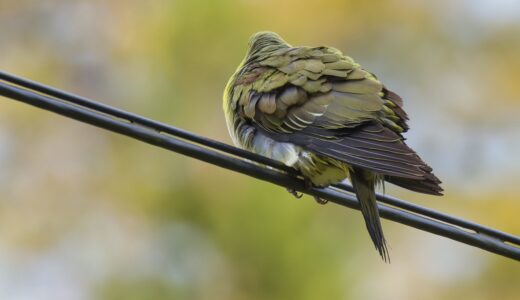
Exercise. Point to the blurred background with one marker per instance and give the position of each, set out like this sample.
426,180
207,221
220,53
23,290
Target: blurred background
87,214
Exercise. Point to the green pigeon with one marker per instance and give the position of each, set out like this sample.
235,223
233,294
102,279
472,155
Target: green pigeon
318,111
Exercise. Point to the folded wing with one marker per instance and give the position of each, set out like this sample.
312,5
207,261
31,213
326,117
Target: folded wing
325,102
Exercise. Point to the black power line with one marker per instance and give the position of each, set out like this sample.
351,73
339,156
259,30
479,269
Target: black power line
232,158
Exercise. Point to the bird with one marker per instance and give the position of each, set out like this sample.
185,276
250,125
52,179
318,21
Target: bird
318,111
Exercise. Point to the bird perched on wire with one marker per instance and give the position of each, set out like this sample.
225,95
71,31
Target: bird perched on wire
317,110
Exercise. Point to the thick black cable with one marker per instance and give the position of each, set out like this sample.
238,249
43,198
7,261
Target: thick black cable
161,127
137,119
480,236
405,205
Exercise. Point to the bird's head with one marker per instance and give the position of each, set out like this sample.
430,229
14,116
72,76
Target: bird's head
265,41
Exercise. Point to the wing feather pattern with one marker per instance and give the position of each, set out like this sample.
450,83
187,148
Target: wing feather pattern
321,100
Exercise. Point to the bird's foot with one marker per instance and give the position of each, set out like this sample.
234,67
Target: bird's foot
320,200
295,193
309,185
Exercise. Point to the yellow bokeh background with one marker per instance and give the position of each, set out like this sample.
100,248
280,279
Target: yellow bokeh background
87,214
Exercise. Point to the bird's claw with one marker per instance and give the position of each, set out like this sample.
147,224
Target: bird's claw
320,200
308,185
295,193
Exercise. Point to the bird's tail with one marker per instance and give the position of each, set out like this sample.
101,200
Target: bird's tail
364,182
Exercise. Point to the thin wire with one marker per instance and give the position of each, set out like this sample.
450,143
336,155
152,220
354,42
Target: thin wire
165,136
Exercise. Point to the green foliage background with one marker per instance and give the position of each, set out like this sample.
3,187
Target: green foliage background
86,214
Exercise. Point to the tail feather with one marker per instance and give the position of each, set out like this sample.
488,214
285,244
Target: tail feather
364,182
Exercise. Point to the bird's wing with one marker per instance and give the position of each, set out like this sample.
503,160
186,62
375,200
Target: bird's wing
325,102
